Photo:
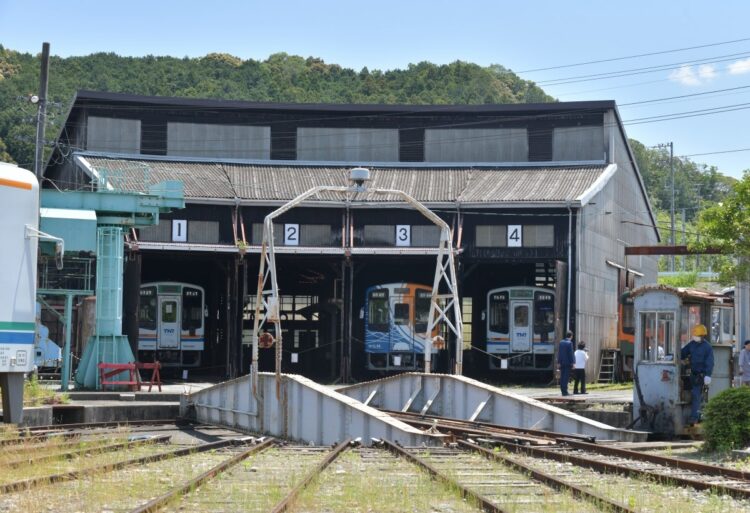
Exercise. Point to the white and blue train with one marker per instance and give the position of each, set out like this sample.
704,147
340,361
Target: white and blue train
171,324
521,328
396,316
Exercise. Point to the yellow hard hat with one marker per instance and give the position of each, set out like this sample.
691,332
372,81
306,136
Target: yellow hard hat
699,330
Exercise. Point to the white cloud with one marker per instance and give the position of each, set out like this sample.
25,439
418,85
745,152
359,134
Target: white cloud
739,67
706,72
693,76
685,75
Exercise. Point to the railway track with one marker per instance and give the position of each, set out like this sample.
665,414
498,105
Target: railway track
499,487
525,473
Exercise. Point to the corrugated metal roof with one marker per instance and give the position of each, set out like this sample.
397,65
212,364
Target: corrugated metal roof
261,182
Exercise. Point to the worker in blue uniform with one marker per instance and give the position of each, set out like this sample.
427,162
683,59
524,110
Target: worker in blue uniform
701,356
566,361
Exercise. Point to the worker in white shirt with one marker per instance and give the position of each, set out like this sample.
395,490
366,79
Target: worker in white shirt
579,372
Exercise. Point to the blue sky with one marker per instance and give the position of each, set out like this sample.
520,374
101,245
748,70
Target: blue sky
391,34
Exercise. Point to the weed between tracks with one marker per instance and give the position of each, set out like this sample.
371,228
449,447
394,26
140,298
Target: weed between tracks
514,491
725,459
369,480
121,490
640,494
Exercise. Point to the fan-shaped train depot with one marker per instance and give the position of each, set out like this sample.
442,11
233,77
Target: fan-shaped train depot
541,201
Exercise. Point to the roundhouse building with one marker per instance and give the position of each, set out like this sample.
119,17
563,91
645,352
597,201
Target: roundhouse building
537,195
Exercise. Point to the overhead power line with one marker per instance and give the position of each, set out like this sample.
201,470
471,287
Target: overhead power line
662,52
738,150
656,100
641,71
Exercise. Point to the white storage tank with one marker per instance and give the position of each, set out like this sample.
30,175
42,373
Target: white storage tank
19,198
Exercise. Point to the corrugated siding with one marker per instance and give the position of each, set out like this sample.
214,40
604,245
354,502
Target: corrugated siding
280,183
315,235
578,143
476,145
113,134
161,232
380,235
616,217
538,236
425,235
224,141
491,236
348,144
203,232
256,234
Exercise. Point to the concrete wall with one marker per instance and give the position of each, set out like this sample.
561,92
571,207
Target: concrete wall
578,143
113,135
618,211
222,141
348,144
476,145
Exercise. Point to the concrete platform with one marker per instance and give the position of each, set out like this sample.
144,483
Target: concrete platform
99,411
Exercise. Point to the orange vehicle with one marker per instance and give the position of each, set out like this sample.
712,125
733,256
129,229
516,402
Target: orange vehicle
626,323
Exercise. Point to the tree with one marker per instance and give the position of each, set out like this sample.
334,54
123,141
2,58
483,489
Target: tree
726,225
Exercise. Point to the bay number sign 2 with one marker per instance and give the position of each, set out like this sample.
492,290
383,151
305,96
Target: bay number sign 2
291,235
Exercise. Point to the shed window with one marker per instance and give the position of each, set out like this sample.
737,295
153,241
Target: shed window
657,336
380,235
490,236
539,236
315,235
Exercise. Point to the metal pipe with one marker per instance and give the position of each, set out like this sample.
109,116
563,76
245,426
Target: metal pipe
570,267
348,376
65,372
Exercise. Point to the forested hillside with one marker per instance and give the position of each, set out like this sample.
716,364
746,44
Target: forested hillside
280,78
291,78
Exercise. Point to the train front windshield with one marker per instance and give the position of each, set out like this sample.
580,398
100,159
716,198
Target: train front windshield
544,314
192,309
498,319
377,315
147,309
422,310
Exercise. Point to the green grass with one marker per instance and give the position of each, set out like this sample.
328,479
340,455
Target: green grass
35,394
599,387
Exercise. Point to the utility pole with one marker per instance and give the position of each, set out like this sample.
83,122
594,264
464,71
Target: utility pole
684,240
671,204
41,119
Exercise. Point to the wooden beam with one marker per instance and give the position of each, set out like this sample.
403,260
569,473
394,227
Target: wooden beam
670,250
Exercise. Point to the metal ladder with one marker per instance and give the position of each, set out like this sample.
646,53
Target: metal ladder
607,366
